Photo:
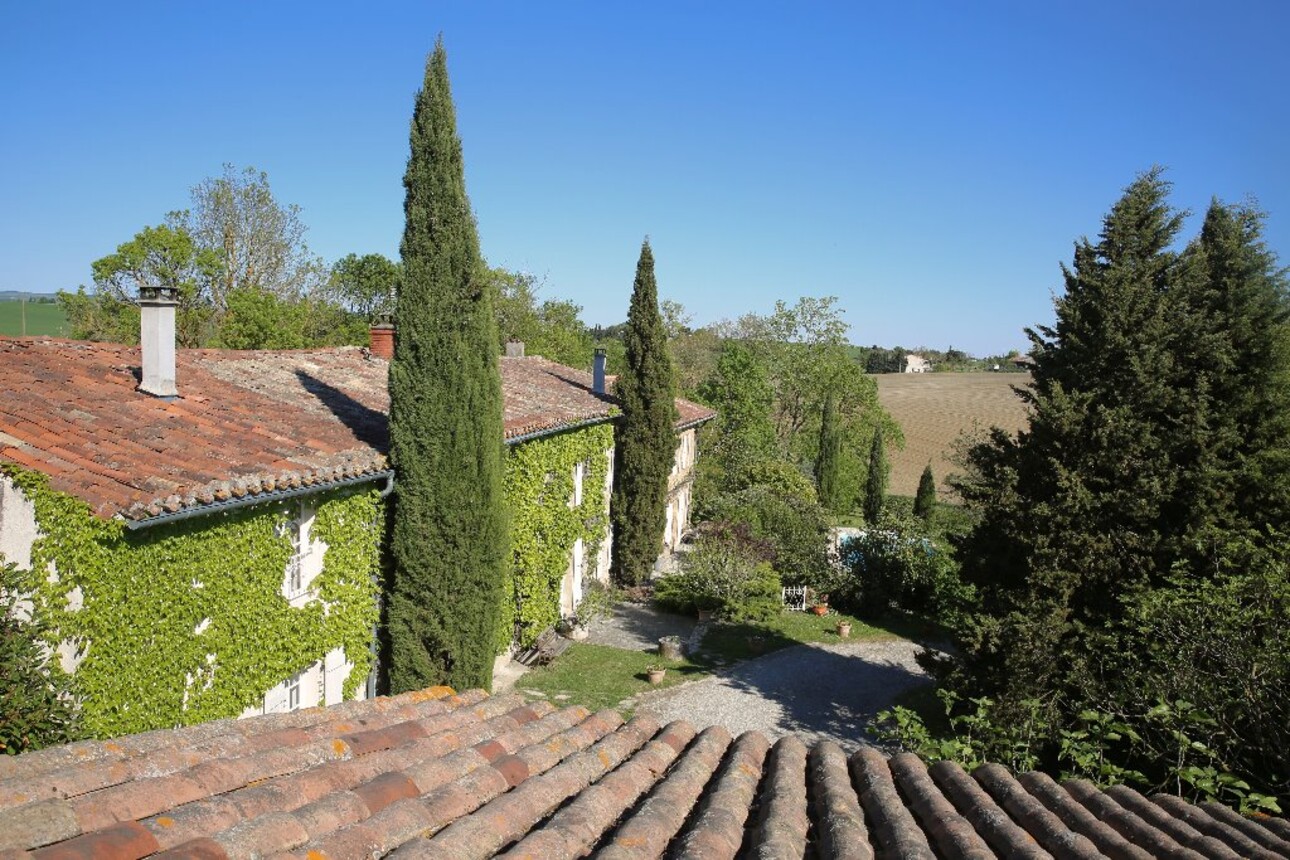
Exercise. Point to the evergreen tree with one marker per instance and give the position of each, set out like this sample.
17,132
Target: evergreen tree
449,533
828,462
1157,446
925,500
875,488
646,442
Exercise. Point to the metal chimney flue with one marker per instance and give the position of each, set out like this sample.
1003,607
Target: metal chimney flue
598,372
157,340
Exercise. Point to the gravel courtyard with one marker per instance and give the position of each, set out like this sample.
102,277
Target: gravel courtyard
821,691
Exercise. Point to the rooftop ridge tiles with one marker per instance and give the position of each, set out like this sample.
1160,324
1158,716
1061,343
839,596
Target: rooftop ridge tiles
1035,818
1265,836
839,822
393,826
717,831
950,833
891,822
507,817
1203,822
575,829
785,817
1078,819
986,816
1152,839
1180,830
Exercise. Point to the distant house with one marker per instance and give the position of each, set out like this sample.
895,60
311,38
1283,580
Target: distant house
216,551
1025,362
917,364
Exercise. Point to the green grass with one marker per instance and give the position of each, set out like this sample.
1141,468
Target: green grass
42,319
597,676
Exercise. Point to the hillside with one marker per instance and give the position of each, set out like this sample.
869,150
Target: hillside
935,409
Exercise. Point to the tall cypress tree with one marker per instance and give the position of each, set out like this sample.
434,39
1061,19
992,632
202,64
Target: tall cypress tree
875,488
449,531
646,442
828,462
925,500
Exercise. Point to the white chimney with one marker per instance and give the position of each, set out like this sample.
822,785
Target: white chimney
157,339
598,372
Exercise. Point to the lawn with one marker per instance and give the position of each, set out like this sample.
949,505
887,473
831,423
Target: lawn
598,676
42,318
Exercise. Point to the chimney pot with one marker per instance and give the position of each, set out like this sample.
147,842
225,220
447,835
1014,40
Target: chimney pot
598,372
515,349
382,340
157,340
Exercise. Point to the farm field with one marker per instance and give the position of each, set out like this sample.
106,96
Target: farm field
42,319
935,409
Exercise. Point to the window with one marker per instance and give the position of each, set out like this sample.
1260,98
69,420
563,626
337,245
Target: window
296,531
293,693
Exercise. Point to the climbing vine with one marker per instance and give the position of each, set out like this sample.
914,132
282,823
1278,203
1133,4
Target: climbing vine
545,525
186,622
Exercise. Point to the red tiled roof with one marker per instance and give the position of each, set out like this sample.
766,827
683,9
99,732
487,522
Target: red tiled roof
246,424
433,774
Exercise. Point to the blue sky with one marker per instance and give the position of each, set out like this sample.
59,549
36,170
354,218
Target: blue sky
929,163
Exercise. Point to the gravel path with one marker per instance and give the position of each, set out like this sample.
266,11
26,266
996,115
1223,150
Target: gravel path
821,691
638,627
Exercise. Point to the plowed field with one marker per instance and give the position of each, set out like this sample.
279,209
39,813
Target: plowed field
935,409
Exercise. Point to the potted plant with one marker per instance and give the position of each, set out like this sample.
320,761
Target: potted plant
572,628
656,672
844,629
820,608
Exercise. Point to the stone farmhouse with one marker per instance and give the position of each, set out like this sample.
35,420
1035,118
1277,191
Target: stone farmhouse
202,528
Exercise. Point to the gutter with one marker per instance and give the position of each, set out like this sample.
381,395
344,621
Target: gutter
564,428
263,498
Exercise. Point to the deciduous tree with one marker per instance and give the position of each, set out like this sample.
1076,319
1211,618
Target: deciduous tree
449,541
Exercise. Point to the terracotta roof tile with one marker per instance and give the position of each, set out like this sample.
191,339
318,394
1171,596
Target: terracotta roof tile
247,423
433,774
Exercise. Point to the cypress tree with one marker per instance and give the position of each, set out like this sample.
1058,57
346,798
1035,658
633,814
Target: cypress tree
828,462
449,530
875,488
646,442
925,500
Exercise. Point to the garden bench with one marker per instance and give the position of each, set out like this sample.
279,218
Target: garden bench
547,647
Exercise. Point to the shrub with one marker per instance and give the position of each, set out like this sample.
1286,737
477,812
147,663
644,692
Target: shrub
793,524
897,565
36,709
726,572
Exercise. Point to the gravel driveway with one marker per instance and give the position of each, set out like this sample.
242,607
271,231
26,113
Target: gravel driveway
821,691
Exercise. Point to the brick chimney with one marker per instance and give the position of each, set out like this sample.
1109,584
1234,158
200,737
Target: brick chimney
157,339
382,340
515,349
598,372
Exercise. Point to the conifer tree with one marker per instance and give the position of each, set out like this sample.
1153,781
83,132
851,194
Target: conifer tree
646,441
925,500
828,462
875,488
449,536
1157,444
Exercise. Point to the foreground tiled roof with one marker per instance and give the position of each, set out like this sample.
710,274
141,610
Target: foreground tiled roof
434,774
246,424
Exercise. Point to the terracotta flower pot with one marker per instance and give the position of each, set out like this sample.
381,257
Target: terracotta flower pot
656,675
820,609
844,630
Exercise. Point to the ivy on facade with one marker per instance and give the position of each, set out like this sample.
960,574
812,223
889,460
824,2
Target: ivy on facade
186,622
545,525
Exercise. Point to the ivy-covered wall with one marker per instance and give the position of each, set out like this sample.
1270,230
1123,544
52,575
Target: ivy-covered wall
184,623
539,482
